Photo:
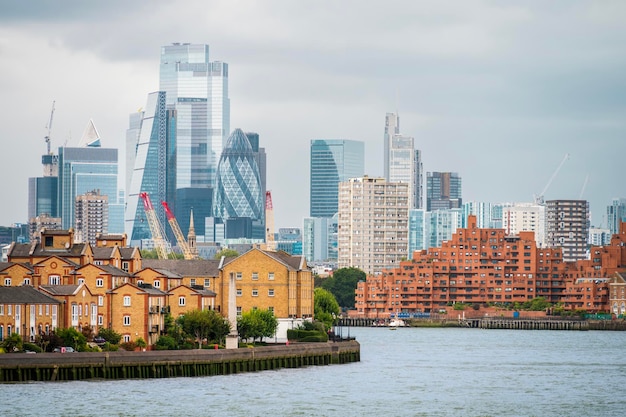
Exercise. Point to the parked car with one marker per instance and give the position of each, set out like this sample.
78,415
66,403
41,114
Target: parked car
99,340
64,349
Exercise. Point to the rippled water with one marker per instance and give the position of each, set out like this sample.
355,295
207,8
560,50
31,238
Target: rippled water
407,372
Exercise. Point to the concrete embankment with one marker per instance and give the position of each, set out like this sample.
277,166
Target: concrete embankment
22,367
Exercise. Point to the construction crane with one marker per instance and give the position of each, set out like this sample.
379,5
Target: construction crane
269,221
184,246
158,235
49,127
539,198
582,191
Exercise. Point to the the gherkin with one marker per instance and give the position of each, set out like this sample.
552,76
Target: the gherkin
238,190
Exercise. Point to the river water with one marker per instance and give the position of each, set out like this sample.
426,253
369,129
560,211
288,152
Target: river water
405,372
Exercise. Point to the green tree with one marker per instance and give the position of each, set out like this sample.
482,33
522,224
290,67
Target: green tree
12,343
72,337
326,308
229,253
256,324
342,284
109,335
203,325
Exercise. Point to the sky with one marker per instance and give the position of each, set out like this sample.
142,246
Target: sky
498,91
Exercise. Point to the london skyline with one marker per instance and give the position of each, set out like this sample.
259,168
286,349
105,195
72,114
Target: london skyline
498,93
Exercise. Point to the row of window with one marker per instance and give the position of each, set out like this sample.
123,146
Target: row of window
255,292
254,276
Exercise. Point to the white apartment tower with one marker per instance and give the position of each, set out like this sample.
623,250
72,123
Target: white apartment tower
525,217
373,224
91,216
403,163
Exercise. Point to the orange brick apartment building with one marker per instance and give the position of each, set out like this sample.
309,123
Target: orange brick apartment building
485,266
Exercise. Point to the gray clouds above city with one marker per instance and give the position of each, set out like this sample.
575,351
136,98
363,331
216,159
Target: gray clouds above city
496,91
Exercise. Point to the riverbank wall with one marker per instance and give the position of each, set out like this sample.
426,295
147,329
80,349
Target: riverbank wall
23,367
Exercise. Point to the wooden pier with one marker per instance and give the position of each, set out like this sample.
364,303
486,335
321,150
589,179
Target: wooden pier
524,324
23,367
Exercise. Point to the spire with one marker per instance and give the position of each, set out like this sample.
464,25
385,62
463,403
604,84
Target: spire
191,236
90,137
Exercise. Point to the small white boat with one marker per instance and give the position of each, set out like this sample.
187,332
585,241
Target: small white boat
395,323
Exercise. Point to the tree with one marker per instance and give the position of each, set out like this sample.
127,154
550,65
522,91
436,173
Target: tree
204,325
256,324
12,343
229,253
72,337
326,308
343,283
109,335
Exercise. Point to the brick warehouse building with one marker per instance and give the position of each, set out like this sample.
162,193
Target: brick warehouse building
487,266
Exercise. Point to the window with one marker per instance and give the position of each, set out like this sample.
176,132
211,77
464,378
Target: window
100,283
238,275
207,283
47,309
7,282
139,283
99,263
255,275
54,280
26,281
1,333
81,281
126,320
181,301
157,283
100,300
239,310
100,320
271,309
1,310
270,292
192,282
10,310
255,293
126,338
239,292
125,266
127,301
270,276
40,309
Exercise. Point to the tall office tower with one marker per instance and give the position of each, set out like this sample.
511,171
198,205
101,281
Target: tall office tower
373,224
441,225
568,227
91,216
197,89
332,161
88,168
403,163
319,238
615,214
261,158
42,196
525,217
443,191
417,231
152,162
238,200
482,211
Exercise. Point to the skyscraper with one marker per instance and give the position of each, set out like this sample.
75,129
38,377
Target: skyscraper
403,163
615,214
183,129
238,200
88,168
91,216
373,224
443,190
568,227
332,161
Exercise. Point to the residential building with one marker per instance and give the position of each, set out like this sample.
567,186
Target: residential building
599,236
525,217
91,216
443,191
568,227
403,163
27,312
238,199
372,224
332,161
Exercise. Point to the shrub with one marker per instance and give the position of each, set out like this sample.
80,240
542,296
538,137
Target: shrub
306,335
166,343
129,346
32,347
109,335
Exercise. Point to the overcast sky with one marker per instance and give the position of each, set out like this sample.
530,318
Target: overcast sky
497,91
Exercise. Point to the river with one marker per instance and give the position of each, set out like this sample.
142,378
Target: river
405,372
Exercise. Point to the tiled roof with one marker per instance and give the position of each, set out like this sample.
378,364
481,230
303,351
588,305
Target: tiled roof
23,250
103,253
24,294
127,253
6,265
60,289
185,267
115,271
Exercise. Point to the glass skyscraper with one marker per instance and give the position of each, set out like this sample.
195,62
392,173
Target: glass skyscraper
333,161
238,195
86,169
443,191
